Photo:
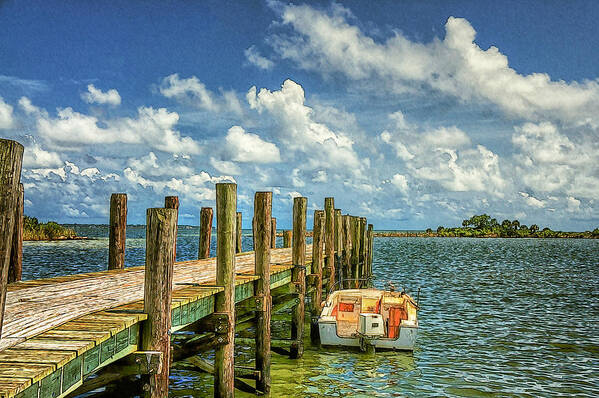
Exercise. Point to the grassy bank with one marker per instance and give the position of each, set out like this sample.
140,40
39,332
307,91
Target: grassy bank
34,230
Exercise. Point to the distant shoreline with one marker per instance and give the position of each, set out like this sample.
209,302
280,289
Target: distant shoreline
59,238
400,234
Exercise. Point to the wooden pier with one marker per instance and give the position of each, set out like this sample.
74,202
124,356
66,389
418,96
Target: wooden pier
69,335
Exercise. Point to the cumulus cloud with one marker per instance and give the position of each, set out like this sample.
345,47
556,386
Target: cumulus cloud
254,57
6,116
97,96
153,127
34,157
249,147
446,156
195,93
455,65
298,130
549,161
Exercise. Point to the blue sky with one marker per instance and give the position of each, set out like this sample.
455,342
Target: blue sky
414,114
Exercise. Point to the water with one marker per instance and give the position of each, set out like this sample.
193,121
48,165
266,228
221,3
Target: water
499,317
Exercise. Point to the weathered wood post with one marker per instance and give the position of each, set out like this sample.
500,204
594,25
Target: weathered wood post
172,202
226,225
287,234
273,233
11,159
370,248
347,246
238,232
355,253
362,248
205,232
16,254
160,244
118,231
329,241
263,230
338,227
317,260
298,276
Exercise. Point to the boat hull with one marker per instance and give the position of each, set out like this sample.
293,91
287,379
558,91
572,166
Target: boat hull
404,342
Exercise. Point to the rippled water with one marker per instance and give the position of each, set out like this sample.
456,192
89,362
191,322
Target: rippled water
499,317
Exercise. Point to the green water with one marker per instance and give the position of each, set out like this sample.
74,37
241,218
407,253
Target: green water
499,317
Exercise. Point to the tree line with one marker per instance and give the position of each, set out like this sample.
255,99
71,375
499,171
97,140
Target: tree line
34,230
485,226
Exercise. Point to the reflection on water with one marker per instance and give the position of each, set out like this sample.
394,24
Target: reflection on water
499,317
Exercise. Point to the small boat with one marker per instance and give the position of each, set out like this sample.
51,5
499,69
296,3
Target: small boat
369,318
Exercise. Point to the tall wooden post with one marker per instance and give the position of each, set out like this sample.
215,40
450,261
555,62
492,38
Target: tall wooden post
355,253
298,276
273,233
118,231
238,232
205,232
16,254
317,260
370,248
347,246
362,248
329,241
11,158
263,230
338,236
287,238
172,202
160,244
226,226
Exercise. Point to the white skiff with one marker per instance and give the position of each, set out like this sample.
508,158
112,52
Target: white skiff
369,318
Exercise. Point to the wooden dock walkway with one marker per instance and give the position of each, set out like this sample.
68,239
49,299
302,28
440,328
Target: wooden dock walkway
70,335
59,330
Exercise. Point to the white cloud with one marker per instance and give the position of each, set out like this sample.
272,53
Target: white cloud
254,57
173,165
299,132
248,147
153,127
400,182
97,96
532,201
193,92
455,65
6,116
225,166
34,157
549,161
446,156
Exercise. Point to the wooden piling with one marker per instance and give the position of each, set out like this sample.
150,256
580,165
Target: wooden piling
11,159
16,254
317,262
370,236
263,231
118,231
287,235
329,240
160,245
298,276
338,236
172,202
362,248
355,252
226,226
273,233
238,232
347,245
205,232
